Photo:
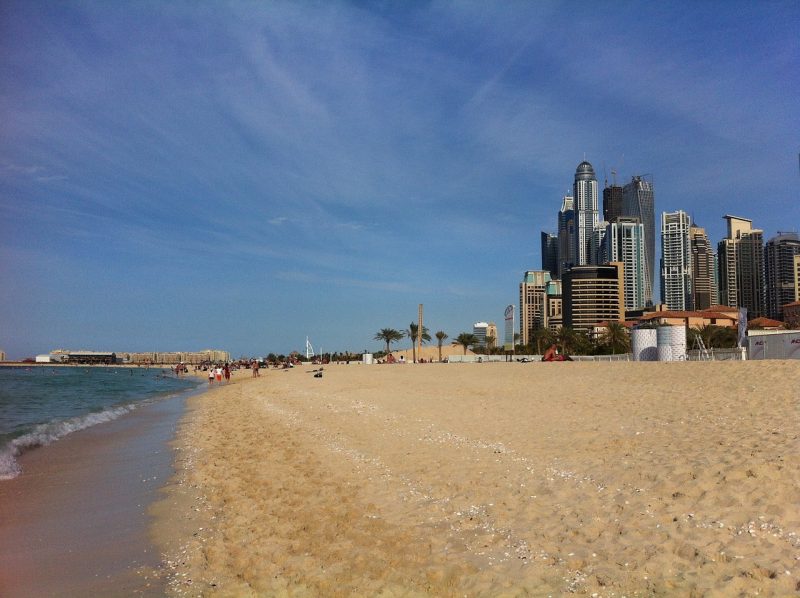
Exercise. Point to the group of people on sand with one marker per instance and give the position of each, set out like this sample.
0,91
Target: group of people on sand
219,373
402,359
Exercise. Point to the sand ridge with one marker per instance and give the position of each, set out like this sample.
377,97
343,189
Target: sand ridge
604,479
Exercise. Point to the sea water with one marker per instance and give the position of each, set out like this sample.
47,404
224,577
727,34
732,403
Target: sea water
39,405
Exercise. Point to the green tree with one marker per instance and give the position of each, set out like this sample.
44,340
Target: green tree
705,332
388,336
719,337
490,344
726,337
466,340
543,337
616,338
567,339
572,342
441,336
412,332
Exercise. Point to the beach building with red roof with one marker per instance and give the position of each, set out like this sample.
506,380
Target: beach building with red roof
766,324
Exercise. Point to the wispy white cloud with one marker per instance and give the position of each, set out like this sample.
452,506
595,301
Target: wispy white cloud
321,280
389,148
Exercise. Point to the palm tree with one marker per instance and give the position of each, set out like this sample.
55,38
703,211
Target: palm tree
412,332
616,338
490,342
388,335
572,342
705,332
466,339
544,338
714,336
725,337
440,338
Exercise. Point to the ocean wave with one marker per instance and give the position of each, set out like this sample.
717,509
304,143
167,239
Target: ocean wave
44,434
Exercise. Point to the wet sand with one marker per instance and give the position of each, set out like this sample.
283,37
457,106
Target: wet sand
75,522
603,479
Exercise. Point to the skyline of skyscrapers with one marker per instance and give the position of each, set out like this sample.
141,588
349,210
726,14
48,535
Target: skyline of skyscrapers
743,272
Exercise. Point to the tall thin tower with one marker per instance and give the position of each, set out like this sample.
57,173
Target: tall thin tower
638,201
586,213
676,260
566,235
704,279
741,266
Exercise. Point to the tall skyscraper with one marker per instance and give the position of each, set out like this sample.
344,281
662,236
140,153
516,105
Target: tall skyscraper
779,254
586,214
676,261
741,266
566,234
638,201
624,242
550,253
594,294
704,270
480,330
596,246
613,206
538,294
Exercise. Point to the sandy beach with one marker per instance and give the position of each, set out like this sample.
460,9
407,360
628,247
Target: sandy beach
602,479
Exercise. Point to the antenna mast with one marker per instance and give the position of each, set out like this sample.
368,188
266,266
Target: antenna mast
419,332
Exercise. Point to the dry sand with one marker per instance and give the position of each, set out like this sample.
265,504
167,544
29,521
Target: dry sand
603,479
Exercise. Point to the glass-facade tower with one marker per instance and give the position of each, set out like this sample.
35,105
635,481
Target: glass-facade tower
639,202
624,242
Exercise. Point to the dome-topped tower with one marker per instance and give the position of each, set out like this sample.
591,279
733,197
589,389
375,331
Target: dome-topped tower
584,172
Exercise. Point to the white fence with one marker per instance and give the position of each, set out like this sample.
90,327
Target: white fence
527,358
735,354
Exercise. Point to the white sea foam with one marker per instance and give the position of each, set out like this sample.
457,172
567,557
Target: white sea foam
44,434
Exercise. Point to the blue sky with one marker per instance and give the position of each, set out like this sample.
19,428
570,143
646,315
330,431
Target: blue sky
177,176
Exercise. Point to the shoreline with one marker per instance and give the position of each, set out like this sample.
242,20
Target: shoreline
75,522
606,478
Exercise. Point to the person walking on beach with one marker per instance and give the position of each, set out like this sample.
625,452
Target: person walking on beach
210,375
256,373
218,373
227,371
